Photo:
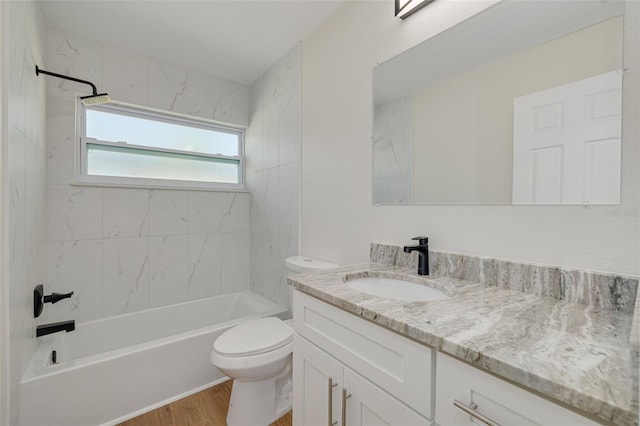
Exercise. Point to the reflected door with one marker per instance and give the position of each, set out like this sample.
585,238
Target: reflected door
567,143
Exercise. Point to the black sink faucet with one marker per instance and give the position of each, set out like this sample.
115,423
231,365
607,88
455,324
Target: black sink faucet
423,250
54,327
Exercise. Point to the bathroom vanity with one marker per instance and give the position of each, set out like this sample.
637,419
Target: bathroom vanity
485,355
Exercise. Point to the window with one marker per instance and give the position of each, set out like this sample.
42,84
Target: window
125,145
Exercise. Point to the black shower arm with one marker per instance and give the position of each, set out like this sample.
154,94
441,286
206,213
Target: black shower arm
93,86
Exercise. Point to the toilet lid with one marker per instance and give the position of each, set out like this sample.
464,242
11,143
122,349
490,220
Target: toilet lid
254,337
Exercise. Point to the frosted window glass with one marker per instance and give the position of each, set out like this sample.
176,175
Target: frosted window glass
129,162
112,127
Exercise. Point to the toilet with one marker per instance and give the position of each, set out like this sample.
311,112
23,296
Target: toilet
257,355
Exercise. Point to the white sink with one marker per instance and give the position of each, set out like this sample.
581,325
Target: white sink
396,289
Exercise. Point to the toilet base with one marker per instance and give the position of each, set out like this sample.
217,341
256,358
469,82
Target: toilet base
260,403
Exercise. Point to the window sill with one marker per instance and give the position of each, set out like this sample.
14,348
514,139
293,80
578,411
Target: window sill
114,182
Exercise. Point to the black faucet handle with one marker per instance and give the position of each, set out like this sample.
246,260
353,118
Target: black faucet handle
56,297
39,299
421,240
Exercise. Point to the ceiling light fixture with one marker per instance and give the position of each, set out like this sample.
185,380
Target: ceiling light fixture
405,8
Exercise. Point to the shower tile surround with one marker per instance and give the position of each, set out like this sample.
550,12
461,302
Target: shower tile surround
125,249
273,166
569,335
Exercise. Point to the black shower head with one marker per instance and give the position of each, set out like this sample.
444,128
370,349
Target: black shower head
95,99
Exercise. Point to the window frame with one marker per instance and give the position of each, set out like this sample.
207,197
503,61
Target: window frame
85,179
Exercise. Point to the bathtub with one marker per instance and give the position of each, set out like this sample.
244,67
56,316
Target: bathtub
113,369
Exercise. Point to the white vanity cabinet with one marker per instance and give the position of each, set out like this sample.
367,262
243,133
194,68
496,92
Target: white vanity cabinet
348,371
490,400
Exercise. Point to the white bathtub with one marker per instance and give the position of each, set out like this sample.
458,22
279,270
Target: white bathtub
116,368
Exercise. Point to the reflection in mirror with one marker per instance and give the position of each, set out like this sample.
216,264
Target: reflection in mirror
520,104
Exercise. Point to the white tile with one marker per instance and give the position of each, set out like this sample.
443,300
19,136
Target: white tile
271,209
18,73
34,103
17,233
168,212
256,186
125,213
273,267
168,274
167,86
289,200
235,212
271,136
125,275
74,56
233,106
125,76
205,212
205,263
203,94
253,144
35,212
60,146
74,213
288,107
235,262
75,266
287,70
257,259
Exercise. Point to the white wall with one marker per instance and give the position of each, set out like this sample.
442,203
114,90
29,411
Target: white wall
338,220
122,250
25,187
273,162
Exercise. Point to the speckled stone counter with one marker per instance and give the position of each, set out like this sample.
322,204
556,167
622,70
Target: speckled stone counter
575,353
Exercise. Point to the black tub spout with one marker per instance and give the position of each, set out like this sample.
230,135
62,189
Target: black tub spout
54,327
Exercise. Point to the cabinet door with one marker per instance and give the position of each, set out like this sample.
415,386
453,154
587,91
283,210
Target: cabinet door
368,405
498,401
317,381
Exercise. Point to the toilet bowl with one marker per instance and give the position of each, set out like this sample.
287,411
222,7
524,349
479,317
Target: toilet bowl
257,355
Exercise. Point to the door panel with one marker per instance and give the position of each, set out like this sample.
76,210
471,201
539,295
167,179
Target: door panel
575,130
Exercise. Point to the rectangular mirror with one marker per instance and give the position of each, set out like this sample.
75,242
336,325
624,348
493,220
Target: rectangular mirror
520,104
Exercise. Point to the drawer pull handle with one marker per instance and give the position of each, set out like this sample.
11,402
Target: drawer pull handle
473,413
330,414
345,396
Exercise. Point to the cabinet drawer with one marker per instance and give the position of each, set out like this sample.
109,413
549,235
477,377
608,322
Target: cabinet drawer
495,399
400,366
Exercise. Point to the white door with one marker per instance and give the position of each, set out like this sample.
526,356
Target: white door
317,381
367,405
566,143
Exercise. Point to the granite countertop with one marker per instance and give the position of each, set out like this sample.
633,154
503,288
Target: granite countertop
583,356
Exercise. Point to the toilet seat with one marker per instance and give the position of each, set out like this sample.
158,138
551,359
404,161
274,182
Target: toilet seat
253,337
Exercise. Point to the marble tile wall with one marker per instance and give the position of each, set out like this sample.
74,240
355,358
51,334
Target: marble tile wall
119,249
26,182
273,168
393,152
603,291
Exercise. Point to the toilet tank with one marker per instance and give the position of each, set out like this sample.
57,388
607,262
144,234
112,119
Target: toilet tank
302,264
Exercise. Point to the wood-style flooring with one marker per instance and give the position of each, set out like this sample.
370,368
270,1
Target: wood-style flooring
208,407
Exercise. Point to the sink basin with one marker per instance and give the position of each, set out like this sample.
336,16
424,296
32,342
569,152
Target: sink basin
396,289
